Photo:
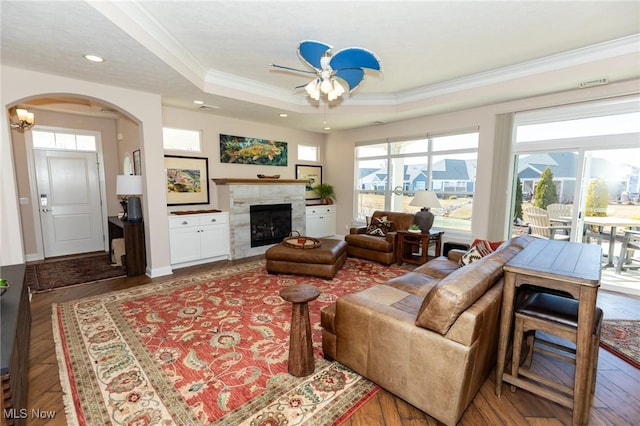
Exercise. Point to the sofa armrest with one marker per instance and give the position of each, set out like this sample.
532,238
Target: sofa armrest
455,254
358,230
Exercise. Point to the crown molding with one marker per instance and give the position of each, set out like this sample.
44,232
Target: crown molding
597,52
132,18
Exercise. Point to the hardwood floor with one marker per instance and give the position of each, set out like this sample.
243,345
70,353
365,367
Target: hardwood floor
616,401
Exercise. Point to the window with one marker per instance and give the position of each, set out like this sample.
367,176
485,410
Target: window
583,146
389,173
49,139
307,153
181,139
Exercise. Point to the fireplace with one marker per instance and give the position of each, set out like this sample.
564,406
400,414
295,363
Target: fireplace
270,223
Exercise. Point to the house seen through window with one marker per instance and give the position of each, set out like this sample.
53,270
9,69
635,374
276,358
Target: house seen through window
389,173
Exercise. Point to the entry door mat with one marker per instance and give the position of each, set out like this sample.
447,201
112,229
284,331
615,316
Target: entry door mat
622,338
51,275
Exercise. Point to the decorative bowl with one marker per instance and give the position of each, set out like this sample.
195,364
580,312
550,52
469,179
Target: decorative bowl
414,231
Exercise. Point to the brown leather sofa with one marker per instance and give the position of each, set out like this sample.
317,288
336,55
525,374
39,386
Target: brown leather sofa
429,336
376,248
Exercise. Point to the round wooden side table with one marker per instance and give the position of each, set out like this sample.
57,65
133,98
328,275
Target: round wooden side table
300,345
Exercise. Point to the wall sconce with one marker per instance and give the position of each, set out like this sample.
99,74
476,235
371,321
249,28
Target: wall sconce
21,119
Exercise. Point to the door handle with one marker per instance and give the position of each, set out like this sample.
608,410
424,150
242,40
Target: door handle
45,210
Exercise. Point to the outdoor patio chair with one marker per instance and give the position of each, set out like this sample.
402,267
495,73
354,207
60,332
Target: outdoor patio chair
557,211
540,225
628,255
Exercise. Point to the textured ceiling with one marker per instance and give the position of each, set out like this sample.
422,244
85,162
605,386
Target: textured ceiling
220,51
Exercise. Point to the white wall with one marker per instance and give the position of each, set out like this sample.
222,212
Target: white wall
144,109
213,125
340,153
337,151
20,85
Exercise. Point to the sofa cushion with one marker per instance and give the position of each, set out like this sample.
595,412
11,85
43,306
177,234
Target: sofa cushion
413,282
459,290
370,242
479,250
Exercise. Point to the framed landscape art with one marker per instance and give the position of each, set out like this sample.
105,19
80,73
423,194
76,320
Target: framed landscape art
314,175
187,180
263,152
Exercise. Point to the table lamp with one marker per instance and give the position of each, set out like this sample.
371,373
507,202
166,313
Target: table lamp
426,200
128,187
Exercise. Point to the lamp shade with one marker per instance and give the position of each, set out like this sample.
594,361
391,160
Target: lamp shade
128,185
426,199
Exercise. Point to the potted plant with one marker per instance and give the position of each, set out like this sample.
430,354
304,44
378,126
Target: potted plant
414,228
325,192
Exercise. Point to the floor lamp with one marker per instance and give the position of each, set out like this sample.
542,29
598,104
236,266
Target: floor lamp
427,200
128,187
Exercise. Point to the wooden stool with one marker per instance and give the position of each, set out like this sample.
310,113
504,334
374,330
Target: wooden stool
558,316
300,345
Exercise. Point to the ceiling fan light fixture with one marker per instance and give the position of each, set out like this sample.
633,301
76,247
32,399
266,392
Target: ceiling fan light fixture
313,89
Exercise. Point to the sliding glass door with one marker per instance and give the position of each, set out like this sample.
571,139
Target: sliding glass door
581,165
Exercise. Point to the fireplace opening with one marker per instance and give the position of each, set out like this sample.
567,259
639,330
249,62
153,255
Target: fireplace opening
270,223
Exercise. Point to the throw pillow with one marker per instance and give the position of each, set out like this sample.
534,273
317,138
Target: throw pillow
379,226
493,244
478,251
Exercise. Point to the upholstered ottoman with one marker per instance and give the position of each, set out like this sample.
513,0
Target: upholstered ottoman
323,261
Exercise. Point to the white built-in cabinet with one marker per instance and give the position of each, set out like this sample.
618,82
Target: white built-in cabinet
198,238
321,221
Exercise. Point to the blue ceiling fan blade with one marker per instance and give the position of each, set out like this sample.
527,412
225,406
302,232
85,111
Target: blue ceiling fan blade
352,77
311,51
354,57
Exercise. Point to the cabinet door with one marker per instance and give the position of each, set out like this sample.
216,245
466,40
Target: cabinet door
214,240
185,244
315,226
321,221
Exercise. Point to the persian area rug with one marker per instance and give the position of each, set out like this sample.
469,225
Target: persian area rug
210,348
78,270
622,338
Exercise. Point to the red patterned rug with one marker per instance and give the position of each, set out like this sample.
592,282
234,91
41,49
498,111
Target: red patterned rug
207,349
622,338
50,275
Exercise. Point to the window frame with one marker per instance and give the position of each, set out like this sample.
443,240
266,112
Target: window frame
174,149
387,159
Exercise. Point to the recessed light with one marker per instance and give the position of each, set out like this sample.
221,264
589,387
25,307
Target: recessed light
198,102
283,115
93,58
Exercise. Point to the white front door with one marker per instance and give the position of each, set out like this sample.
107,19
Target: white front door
69,201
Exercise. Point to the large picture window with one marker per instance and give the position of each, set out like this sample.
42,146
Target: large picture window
389,173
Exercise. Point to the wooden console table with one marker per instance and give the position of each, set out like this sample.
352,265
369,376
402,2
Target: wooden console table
15,321
407,241
570,267
134,247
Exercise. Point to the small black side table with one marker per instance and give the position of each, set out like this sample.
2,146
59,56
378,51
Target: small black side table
134,247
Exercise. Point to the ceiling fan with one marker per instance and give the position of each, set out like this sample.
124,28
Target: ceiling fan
334,71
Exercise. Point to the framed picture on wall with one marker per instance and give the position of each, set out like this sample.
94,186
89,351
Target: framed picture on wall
314,175
137,169
187,180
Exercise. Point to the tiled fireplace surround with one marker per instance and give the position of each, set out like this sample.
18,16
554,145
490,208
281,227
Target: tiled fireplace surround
237,195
